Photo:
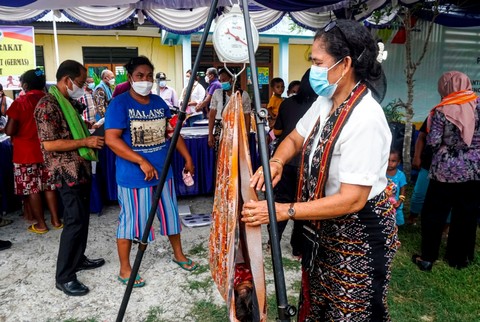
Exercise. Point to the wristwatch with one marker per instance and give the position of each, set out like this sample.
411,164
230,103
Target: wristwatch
291,211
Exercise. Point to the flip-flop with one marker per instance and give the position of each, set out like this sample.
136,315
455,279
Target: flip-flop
187,178
33,229
5,222
184,265
58,227
139,282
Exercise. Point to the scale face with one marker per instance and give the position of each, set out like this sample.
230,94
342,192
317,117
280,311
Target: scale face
229,37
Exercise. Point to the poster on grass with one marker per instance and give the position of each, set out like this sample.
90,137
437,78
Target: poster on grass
17,54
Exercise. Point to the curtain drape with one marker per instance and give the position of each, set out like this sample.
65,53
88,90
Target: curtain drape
18,16
189,16
100,17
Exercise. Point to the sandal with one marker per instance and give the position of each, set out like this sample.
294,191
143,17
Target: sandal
187,178
189,265
5,222
33,229
139,282
421,264
58,227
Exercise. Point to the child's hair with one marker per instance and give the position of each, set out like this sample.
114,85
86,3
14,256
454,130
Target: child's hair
395,151
275,81
244,305
293,84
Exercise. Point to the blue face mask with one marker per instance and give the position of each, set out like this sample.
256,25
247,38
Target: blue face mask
91,85
226,86
319,80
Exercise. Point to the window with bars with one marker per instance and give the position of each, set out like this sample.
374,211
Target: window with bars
108,55
39,57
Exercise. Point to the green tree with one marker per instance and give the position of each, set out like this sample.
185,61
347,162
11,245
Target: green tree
404,18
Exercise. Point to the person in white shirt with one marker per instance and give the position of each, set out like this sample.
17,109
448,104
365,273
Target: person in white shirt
197,95
168,94
5,103
220,99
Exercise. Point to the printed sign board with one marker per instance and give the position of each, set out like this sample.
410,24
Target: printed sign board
17,54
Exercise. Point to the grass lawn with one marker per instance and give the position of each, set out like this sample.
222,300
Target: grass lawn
442,295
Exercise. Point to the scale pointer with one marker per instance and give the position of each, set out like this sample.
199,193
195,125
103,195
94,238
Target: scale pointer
237,38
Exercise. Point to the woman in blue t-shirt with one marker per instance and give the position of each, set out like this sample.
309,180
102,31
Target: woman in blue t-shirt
136,131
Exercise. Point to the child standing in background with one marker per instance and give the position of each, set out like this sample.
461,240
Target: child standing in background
397,182
278,87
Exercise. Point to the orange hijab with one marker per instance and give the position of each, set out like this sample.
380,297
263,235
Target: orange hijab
458,103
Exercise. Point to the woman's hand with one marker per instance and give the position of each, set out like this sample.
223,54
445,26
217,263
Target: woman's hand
148,169
190,167
211,141
255,213
257,181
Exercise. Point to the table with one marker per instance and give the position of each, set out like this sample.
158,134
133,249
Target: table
196,140
203,158
104,186
10,202
203,122
6,175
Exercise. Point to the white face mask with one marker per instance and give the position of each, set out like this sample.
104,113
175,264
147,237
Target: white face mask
142,88
76,92
162,83
207,80
112,81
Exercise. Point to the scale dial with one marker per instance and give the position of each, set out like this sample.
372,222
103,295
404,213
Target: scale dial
229,37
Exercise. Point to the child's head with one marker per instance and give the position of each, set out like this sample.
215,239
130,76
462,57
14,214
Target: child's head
393,160
277,85
244,302
293,88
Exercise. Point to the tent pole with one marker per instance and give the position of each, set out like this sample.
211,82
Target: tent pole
284,310
151,216
55,38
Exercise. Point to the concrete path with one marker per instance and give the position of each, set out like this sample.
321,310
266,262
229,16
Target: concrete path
27,274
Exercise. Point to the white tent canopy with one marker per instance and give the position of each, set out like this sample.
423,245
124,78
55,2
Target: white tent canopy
168,15
188,16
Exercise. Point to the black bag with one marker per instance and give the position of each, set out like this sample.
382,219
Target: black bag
310,244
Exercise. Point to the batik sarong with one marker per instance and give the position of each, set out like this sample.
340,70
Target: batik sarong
232,188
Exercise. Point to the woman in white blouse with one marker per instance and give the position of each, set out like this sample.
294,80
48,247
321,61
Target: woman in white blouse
344,140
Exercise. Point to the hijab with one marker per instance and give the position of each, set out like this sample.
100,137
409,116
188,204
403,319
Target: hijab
458,103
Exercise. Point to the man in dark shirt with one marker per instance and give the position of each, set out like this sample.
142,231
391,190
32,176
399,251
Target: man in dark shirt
213,85
71,174
290,112
422,159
